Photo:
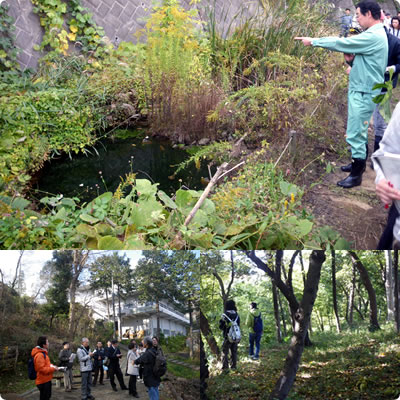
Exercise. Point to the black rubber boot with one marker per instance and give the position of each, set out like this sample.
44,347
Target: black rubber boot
355,177
347,168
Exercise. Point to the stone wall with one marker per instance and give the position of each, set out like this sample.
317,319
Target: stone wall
122,18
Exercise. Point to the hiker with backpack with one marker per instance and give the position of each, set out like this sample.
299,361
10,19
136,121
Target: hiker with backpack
255,325
40,368
230,326
154,366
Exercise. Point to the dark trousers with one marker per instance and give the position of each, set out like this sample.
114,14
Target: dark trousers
132,384
116,370
226,347
141,368
386,240
96,374
45,390
254,338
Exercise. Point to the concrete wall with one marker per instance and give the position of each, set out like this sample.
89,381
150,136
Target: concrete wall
122,18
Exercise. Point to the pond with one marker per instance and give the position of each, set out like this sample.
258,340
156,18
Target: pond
86,177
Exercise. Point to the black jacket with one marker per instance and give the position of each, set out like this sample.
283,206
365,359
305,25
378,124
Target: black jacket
112,355
64,356
98,353
224,324
147,359
393,56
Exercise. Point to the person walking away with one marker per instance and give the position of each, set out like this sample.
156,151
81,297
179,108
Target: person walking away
368,54
229,318
132,370
65,361
86,367
148,359
346,21
98,358
255,325
44,369
114,369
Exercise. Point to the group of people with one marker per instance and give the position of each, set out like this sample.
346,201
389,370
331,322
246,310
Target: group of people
230,320
92,364
373,56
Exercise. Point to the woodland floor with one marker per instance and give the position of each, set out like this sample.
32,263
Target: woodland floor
329,370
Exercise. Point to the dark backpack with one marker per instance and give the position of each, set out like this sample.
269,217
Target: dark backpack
160,365
31,367
258,324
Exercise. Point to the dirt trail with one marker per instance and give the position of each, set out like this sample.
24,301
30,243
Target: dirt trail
356,213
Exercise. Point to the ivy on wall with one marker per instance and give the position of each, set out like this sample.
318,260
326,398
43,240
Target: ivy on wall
8,51
57,17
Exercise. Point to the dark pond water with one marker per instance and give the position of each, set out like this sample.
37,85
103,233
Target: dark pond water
149,159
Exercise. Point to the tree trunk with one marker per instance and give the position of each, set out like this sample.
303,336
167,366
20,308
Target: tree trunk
334,295
204,373
320,321
276,313
282,314
191,351
119,312
208,334
374,324
396,289
302,318
108,305
389,285
158,319
351,298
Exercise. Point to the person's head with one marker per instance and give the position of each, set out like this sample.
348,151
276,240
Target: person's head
43,342
131,345
85,342
368,13
253,305
141,344
66,345
108,343
155,341
230,305
114,343
148,342
395,22
347,11
99,345
387,15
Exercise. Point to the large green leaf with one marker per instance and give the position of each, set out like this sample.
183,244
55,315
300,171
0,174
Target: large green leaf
88,218
145,189
87,230
166,200
110,243
146,213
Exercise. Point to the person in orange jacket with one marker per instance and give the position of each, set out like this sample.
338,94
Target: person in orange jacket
44,369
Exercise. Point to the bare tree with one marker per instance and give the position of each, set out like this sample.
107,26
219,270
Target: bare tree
373,317
17,270
302,319
335,307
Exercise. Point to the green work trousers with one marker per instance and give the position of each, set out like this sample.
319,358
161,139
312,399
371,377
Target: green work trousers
360,109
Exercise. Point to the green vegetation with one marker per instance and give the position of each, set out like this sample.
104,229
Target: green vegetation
183,372
350,356
190,85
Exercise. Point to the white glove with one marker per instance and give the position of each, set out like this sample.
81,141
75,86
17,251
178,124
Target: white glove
391,68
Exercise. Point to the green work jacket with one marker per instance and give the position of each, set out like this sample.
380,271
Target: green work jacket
371,54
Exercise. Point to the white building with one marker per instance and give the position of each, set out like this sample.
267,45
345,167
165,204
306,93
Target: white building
136,316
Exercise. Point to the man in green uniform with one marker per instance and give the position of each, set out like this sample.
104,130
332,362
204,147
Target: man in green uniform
368,53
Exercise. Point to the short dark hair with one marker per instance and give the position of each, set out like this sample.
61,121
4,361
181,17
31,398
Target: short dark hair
253,305
64,343
131,345
348,9
372,6
148,341
114,341
41,341
230,305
